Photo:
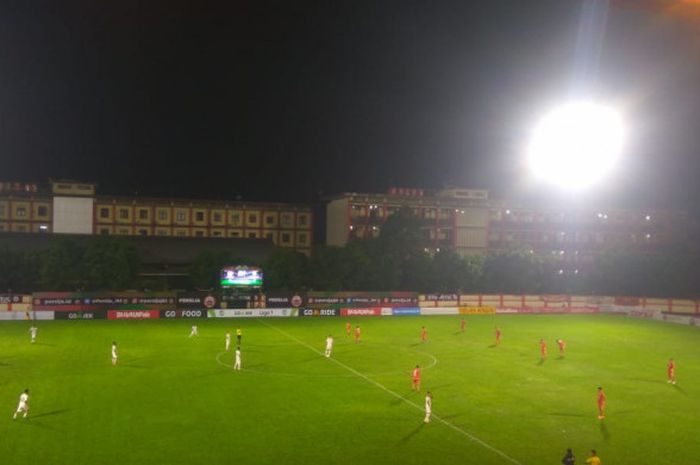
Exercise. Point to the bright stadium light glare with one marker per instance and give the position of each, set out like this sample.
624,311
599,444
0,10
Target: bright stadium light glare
576,145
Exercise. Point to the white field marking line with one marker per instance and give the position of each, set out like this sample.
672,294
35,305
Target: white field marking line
306,375
398,396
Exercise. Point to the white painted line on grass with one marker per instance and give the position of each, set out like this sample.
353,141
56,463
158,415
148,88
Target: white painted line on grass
397,395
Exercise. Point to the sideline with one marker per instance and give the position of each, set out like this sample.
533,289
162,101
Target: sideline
397,395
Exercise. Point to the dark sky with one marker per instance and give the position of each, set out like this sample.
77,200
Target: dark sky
283,100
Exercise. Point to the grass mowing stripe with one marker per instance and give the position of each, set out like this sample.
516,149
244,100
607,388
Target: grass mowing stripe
395,394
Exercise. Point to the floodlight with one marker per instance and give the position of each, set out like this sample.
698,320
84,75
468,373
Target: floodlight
576,145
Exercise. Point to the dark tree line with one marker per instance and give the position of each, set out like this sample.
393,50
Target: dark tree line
98,264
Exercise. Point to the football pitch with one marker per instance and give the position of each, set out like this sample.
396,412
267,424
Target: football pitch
176,400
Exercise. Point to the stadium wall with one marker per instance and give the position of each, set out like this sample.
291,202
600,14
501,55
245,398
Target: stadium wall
166,305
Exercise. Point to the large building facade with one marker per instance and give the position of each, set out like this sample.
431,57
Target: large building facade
75,208
468,222
454,218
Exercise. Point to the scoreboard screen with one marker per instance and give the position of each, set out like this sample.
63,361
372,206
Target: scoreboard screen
241,276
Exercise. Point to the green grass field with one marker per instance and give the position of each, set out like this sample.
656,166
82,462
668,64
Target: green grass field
176,400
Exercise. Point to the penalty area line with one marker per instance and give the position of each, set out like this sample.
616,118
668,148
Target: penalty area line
397,395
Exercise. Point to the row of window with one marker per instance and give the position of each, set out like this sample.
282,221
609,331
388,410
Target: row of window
24,227
361,231
284,238
624,217
378,211
373,211
580,238
202,217
24,210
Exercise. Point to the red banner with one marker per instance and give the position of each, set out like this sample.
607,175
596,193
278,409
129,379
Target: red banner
374,311
132,314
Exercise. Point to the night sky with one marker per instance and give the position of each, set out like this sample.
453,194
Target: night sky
293,100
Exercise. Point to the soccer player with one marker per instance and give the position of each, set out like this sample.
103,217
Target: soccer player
348,328
498,335
237,363
601,403
569,458
593,459
543,349
671,371
462,324
114,353
428,406
562,346
228,340
329,345
415,376
423,334
33,330
23,405
357,334
239,335
194,331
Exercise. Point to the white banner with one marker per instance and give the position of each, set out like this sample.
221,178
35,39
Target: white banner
18,316
252,312
439,311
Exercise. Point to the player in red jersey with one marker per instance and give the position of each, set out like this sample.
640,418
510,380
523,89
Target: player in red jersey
348,328
671,371
498,335
415,376
357,334
562,346
462,324
423,334
601,403
543,349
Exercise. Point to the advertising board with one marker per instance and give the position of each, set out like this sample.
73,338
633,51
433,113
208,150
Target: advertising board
319,312
371,311
133,314
186,313
477,310
252,312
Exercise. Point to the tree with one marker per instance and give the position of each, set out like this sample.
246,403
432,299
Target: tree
286,269
19,271
61,267
109,263
513,272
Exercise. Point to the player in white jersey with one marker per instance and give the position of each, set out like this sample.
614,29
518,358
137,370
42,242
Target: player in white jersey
194,331
33,330
428,406
23,405
329,345
228,340
114,353
237,363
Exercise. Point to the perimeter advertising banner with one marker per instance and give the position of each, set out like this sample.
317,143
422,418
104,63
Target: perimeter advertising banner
361,299
477,310
284,300
15,302
192,313
372,311
200,300
91,315
93,301
319,312
19,316
133,314
252,312
403,311
438,300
